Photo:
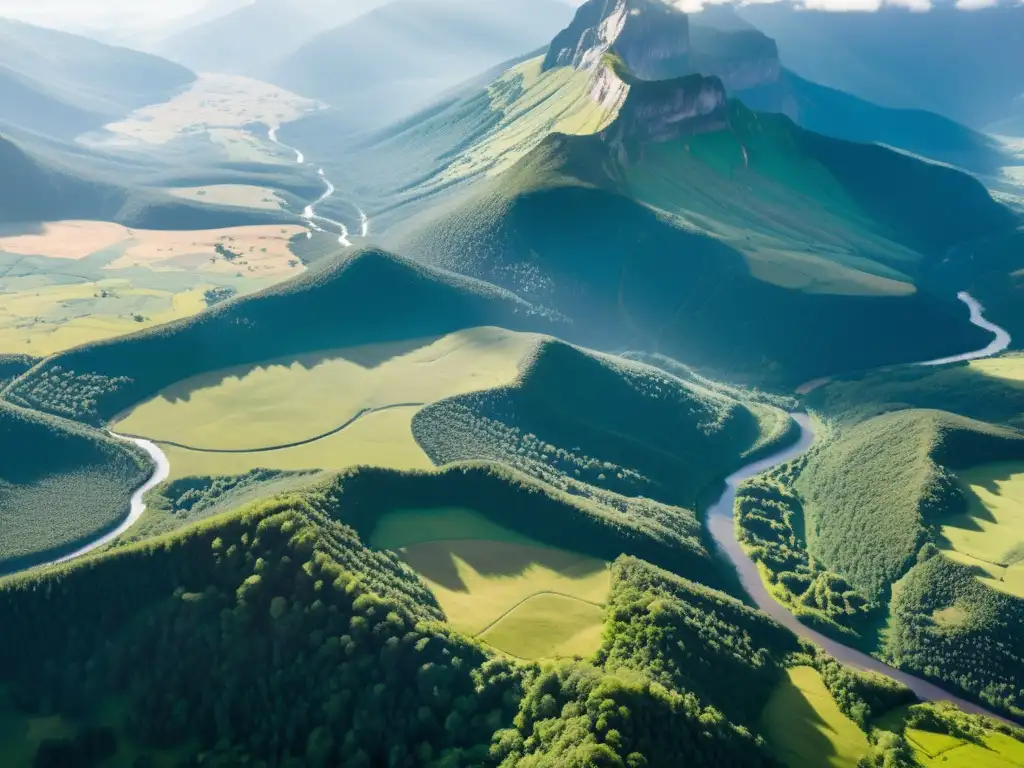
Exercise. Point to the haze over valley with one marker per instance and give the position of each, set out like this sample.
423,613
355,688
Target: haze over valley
511,383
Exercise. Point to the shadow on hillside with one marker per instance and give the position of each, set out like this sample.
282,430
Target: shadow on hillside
367,356
436,561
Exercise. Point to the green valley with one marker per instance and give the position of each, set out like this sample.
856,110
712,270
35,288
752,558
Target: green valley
638,402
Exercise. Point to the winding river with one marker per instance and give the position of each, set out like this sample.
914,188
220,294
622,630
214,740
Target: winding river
309,213
160,473
720,523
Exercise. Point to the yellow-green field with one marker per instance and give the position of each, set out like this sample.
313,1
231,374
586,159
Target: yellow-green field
990,534
805,728
289,400
521,597
381,439
937,750
68,283
1009,367
241,195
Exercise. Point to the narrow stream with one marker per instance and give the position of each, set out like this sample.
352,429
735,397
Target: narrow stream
310,214
720,523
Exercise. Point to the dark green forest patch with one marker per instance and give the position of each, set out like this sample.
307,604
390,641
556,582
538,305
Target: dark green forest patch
61,485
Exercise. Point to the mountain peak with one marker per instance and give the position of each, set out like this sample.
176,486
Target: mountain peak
650,36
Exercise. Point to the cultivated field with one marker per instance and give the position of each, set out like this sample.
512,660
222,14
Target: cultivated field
519,596
990,534
74,282
804,727
293,399
242,195
937,750
381,439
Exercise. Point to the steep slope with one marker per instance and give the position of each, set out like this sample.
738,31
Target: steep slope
401,56
965,65
60,485
359,298
725,237
251,39
61,84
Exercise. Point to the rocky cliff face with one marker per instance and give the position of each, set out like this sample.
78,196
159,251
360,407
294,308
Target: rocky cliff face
667,110
741,58
651,37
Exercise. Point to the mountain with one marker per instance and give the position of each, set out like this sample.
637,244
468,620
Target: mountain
403,55
965,65
722,236
253,38
62,84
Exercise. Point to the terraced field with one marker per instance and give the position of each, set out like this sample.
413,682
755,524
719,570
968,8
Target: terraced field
524,598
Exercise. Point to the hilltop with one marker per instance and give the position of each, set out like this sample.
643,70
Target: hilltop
354,298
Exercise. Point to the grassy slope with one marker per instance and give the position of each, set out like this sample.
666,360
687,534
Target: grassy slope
62,84
805,727
868,524
825,238
60,485
631,429
366,297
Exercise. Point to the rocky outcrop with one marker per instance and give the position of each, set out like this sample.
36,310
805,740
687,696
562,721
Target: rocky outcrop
651,37
667,110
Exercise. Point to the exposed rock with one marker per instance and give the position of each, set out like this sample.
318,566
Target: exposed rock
653,38
667,110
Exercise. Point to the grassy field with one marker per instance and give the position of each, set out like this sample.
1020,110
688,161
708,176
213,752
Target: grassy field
548,626
284,401
231,194
516,594
1009,367
805,728
381,439
74,282
936,750
991,530
225,103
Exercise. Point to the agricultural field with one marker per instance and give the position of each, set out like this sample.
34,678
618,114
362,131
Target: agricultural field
990,533
242,195
522,597
74,282
804,727
216,106
298,398
382,439
937,750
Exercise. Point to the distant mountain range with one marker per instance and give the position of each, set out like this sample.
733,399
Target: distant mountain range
62,84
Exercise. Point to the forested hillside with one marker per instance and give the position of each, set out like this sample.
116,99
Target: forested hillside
60,486
714,197
357,298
